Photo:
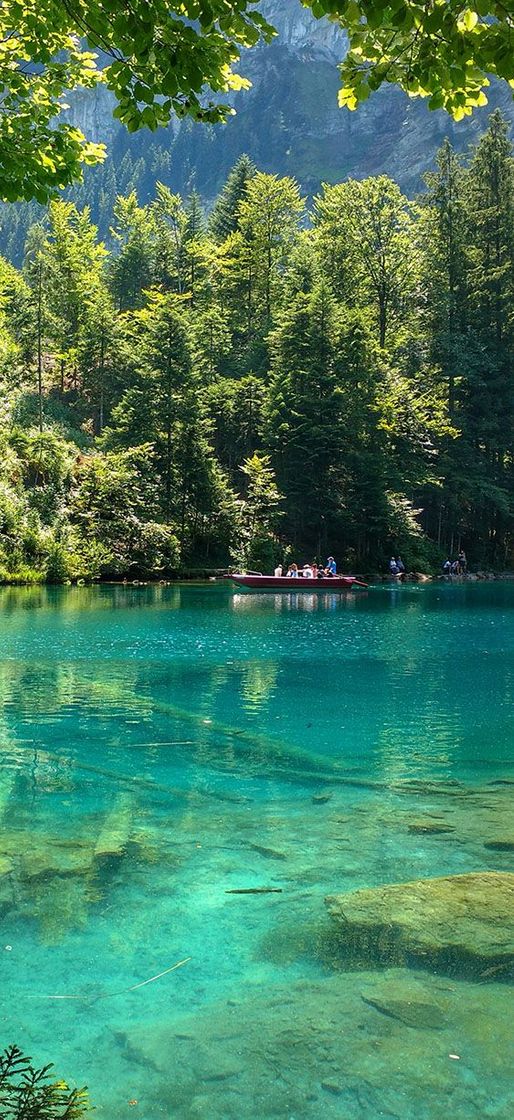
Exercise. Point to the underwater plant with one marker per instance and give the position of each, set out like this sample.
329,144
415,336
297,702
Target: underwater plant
27,1093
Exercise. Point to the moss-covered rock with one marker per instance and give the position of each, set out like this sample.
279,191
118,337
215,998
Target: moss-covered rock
461,925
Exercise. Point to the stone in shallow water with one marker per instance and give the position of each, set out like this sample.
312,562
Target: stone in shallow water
500,845
459,925
312,1048
413,1013
429,828
268,853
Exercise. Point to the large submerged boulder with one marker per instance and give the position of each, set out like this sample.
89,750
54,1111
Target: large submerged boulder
462,925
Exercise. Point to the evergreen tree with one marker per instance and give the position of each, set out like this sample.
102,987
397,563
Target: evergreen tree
96,353
367,357
171,232
269,216
131,266
224,218
305,419
447,266
260,513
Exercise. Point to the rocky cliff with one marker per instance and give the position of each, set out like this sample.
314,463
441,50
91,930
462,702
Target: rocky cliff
289,122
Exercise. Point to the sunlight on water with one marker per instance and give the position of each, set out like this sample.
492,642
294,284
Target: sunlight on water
164,746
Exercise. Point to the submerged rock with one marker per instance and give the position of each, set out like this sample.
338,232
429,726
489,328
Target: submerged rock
430,828
459,925
500,845
413,1013
268,853
308,1048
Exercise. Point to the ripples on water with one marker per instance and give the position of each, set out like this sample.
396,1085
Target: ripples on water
162,746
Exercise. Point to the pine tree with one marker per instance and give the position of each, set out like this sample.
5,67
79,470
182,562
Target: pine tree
224,217
170,221
132,264
269,218
447,265
488,398
304,425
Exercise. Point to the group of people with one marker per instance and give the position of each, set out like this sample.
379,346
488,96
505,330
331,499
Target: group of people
396,566
309,571
456,567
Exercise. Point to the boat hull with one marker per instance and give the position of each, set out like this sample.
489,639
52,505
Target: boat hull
289,583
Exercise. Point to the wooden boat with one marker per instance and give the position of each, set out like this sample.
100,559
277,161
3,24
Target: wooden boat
290,583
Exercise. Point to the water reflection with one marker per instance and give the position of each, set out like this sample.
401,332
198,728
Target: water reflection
155,758
286,601
259,681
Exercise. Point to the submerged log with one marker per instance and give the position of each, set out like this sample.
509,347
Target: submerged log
255,890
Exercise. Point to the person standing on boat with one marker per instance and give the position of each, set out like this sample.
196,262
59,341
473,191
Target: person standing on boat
307,571
330,567
278,570
293,571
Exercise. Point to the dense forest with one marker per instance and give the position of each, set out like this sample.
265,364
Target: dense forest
267,381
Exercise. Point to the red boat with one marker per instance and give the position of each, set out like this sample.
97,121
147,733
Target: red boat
300,583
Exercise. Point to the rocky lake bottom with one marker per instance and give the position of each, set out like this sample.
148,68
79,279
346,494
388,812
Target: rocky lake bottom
308,809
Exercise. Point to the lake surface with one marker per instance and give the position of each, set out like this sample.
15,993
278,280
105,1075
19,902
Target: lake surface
163,746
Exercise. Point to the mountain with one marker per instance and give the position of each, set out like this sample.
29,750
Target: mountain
289,123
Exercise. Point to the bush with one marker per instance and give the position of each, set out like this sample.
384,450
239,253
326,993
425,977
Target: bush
58,563
27,1093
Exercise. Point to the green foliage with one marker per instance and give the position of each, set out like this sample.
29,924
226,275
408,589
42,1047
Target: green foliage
224,218
161,60
260,514
444,51
197,46
357,362
29,1093
368,237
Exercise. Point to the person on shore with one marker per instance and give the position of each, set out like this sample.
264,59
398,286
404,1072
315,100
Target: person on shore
400,565
455,568
330,567
463,564
447,567
393,566
278,570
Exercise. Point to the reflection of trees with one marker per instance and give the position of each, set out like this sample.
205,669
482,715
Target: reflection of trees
76,600
259,681
285,601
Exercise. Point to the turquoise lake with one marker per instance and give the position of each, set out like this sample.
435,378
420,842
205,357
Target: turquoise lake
162,746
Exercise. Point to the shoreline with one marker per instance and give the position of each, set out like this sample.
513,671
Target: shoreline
186,579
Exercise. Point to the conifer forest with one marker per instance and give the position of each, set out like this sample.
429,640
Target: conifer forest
272,380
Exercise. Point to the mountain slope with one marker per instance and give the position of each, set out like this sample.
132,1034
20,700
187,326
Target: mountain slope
289,122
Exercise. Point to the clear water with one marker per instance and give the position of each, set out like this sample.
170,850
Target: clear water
162,746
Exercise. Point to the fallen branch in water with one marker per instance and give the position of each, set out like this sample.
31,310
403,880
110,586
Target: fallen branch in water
159,974
133,987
